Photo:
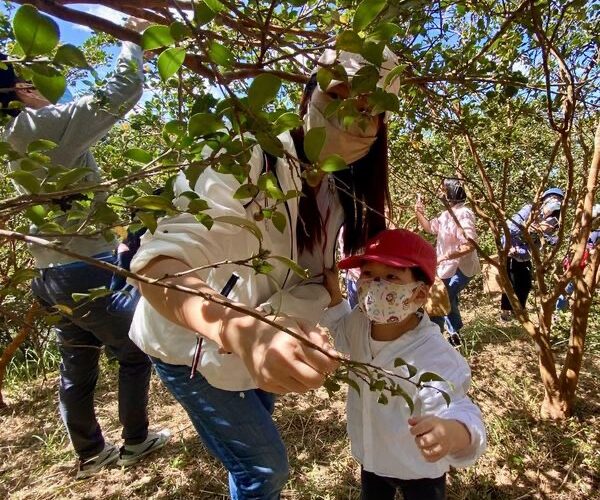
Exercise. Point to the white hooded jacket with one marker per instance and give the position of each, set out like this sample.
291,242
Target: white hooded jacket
184,238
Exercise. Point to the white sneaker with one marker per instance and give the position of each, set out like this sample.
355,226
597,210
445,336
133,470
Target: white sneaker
130,454
89,466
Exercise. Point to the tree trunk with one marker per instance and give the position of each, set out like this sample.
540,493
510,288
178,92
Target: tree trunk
554,406
10,350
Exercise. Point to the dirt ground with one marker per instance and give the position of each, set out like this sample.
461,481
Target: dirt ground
526,458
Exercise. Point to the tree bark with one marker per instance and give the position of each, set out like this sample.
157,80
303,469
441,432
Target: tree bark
11,349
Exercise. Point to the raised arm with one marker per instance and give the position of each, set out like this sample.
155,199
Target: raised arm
420,213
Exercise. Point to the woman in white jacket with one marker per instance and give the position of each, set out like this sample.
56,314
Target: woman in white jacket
243,359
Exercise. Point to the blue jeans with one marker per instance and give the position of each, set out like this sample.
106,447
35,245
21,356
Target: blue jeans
453,321
562,303
81,336
236,427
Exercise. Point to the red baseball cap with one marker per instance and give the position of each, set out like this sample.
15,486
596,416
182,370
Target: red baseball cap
397,248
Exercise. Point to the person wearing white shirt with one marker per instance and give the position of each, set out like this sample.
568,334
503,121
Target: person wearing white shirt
456,254
243,361
397,449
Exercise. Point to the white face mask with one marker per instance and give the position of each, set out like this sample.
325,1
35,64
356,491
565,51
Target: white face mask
351,143
386,302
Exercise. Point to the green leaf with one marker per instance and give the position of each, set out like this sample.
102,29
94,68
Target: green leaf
270,144
333,163
314,140
138,155
63,309
153,202
349,41
262,266
70,55
430,377
215,5
197,205
175,127
205,219
381,101
40,145
367,11
71,177
204,124
36,33
352,383
36,214
26,180
203,14
446,397
179,30
51,83
294,266
399,362
279,221
246,191
373,52
220,54
365,80
324,77
382,399
267,182
263,89
22,275
148,219
286,121
395,73
157,36
384,31
241,222
170,61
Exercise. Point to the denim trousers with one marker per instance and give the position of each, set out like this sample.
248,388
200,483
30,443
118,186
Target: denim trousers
81,336
236,427
453,321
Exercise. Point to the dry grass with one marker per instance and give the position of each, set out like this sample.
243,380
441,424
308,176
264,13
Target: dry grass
527,458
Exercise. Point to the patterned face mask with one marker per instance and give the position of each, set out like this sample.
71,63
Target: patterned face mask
386,302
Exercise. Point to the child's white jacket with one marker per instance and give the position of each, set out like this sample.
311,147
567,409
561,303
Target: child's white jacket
380,434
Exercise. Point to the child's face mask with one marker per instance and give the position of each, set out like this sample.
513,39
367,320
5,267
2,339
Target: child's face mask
386,302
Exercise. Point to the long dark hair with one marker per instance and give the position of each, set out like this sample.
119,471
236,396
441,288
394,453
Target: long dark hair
8,80
362,189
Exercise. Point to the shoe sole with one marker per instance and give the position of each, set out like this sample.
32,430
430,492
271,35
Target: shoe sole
127,462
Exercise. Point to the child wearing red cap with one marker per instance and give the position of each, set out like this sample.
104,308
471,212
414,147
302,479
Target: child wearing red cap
397,449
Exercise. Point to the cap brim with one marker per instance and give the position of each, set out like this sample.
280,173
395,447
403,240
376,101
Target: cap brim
355,261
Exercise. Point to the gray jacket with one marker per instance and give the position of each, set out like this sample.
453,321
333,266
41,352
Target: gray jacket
75,127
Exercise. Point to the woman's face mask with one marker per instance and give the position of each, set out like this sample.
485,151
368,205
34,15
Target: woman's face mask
386,302
352,142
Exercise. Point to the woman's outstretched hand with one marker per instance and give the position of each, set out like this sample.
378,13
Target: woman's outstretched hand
277,361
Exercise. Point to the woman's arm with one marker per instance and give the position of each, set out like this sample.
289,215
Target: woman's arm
420,213
277,361
462,250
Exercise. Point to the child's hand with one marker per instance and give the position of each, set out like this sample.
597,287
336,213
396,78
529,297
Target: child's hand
437,437
332,284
